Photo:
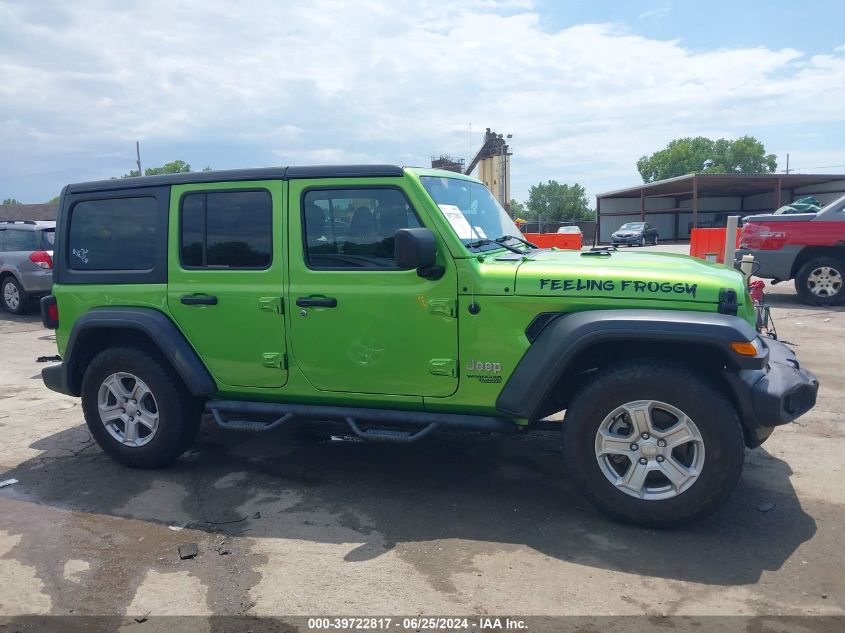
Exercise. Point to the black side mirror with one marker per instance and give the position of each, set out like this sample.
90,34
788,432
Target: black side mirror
417,248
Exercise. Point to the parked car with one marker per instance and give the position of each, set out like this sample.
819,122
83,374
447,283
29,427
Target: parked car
570,230
430,313
26,262
807,204
635,234
806,247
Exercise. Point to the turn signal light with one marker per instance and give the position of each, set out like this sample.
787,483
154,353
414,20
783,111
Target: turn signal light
744,348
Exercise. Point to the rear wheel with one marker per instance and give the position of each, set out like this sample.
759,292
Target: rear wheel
13,296
653,443
820,281
137,409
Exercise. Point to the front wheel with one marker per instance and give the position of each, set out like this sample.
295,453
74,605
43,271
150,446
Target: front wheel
137,409
642,241
820,282
653,443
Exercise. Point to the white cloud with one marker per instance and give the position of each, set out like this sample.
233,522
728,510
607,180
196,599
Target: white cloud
391,81
656,13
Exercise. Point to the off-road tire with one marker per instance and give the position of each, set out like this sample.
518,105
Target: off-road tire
23,299
676,385
802,286
179,412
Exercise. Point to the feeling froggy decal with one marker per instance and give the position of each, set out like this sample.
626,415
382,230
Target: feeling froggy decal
611,285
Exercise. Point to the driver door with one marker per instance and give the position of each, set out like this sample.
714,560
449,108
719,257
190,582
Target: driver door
358,323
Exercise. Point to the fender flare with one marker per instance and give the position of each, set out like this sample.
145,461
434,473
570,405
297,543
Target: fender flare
169,340
564,337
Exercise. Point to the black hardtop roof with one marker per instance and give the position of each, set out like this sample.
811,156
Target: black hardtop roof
229,175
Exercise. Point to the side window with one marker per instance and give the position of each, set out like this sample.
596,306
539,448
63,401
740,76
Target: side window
113,234
354,228
226,229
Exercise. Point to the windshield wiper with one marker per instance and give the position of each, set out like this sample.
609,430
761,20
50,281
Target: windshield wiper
514,237
485,242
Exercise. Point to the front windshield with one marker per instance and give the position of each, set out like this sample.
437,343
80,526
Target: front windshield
632,225
470,208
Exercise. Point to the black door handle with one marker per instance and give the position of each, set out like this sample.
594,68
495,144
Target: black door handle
316,302
199,300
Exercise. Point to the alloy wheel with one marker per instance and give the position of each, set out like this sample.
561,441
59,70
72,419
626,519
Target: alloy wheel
128,409
649,450
824,281
11,296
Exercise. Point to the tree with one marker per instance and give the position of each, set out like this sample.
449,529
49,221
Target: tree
700,155
12,201
517,209
173,167
552,201
54,200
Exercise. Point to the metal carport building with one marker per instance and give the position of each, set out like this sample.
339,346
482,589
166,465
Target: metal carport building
676,205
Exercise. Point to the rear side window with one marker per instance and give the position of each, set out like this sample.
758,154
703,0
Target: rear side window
354,228
16,240
113,234
48,239
227,229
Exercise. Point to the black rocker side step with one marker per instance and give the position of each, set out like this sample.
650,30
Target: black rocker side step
391,435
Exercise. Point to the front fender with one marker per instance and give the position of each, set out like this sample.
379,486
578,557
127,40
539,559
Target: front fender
563,338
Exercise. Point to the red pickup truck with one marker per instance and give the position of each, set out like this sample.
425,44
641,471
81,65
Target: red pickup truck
806,247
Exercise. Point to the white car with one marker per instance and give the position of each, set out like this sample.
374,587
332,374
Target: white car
570,230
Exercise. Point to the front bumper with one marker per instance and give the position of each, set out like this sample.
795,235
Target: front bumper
779,393
634,239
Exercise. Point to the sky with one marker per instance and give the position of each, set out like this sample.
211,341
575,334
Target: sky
585,87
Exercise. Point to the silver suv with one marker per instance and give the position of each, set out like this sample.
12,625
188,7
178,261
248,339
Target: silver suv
26,262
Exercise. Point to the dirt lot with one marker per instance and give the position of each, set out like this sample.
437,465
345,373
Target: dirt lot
450,526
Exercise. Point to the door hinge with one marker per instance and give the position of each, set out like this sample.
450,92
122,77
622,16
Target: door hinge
272,304
443,307
443,367
274,360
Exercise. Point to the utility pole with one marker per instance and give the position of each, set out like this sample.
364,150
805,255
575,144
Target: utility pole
138,157
787,170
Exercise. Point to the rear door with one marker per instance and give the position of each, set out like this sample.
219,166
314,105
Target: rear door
225,278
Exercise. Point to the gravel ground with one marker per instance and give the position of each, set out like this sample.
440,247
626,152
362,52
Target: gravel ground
455,525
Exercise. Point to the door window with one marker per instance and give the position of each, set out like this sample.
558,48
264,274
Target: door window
227,229
354,228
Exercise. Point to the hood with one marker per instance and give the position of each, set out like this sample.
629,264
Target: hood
661,276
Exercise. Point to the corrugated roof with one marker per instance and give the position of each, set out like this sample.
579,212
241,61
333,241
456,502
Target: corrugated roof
711,185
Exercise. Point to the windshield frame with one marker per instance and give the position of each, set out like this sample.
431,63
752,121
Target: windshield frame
480,240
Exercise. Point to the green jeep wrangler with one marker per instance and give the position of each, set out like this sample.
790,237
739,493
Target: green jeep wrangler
401,302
